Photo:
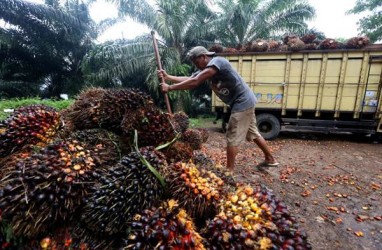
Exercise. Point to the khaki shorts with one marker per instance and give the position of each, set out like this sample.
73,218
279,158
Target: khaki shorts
242,126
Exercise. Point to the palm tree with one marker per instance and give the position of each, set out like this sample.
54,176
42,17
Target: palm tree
242,21
44,44
178,24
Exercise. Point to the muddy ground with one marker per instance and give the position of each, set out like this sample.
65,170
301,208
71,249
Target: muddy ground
331,183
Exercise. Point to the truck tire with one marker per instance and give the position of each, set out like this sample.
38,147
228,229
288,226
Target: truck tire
268,125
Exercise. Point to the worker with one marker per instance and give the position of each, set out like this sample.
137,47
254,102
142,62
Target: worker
233,91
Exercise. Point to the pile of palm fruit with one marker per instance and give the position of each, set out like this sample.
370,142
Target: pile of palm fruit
294,43
113,171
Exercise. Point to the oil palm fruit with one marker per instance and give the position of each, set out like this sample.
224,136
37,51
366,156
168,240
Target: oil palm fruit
198,194
263,222
165,227
357,42
45,187
218,48
124,189
85,112
193,137
181,121
329,43
34,124
260,45
273,45
295,44
153,126
204,133
178,151
308,38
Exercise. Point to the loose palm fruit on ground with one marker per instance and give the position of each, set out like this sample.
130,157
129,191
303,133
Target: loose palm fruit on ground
198,194
122,190
166,227
181,121
34,124
153,126
193,137
46,187
178,151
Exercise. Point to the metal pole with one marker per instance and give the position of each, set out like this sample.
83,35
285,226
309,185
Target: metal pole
159,64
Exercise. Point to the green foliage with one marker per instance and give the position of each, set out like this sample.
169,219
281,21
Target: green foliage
16,103
371,24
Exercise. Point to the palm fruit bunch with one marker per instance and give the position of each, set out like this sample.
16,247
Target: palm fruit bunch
288,37
121,190
205,163
181,121
165,227
310,46
45,187
193,137
85,112
34,124
254,218
198,194
329,43
204,133
247,46
7,241
106,146
230,50
218,48
308,38
357,42
118,102
97,107
260,45
295,44
70,238
153,126
178,151
273,45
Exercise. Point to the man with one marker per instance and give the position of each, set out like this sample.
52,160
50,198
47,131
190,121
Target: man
232,90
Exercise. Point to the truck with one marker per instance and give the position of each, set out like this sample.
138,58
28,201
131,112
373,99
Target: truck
337,90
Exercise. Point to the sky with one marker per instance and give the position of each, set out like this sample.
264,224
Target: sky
330,19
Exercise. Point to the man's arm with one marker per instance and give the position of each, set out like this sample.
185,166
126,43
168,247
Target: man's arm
174,79
191,82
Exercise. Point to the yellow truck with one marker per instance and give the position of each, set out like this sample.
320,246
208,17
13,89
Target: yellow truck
317,90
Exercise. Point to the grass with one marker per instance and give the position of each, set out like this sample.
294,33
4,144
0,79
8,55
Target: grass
201,122
16,103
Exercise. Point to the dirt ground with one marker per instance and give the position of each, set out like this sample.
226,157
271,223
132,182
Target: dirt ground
331,183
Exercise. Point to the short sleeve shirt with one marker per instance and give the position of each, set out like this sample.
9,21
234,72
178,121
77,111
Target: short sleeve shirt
230,87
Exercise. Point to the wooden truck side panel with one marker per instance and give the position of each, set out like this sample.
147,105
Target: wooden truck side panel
339,82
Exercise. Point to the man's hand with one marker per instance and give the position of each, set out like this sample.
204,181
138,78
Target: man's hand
164,87
162,74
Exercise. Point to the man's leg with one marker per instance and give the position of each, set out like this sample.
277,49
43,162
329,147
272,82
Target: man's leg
262,144
231,156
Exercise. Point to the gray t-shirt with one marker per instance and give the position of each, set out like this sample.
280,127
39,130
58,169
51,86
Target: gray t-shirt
230,87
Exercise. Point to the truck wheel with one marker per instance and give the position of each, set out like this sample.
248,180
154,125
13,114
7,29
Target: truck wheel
268,125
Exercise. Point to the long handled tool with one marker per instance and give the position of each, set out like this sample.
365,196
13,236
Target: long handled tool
159,64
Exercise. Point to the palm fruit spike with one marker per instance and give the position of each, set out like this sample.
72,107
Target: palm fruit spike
45,188
178,151
85,112
273,45
218,48
154,127
181,121
198,194
193,137
329,43
34,124
122,190
118,102
166,227
308,38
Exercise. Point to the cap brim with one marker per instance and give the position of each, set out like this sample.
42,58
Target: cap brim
211,53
